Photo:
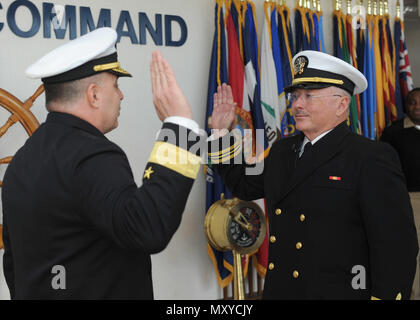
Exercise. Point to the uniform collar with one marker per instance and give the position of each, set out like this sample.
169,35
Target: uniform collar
341,128
73,121
306,140
408,123
325,149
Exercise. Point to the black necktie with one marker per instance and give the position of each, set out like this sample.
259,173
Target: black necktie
306,150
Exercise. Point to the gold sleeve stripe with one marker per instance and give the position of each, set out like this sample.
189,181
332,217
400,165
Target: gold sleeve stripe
176,159
223,151
221,156
398,297
238,141
227,157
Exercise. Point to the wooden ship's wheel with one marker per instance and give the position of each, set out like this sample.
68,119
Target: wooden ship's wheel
20,112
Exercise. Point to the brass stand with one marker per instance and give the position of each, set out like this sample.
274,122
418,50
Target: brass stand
238,277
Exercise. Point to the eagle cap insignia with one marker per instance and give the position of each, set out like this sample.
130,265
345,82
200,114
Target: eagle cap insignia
301,63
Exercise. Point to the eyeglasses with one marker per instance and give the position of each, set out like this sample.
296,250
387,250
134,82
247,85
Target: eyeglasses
307,97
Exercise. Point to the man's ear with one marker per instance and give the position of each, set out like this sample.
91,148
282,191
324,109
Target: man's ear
343,106
93,95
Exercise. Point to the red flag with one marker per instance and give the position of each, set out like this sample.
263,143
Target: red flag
236,65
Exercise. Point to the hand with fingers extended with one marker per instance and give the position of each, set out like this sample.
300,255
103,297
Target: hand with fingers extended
168,98
223,108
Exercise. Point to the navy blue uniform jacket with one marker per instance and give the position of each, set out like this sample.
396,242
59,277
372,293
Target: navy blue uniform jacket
340,221
69,199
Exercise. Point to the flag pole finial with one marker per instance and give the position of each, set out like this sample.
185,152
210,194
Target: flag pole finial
375,8
369,7
318,5
348,6
398,9
337,5
381,7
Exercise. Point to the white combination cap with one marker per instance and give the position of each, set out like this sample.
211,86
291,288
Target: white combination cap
316,70
85,56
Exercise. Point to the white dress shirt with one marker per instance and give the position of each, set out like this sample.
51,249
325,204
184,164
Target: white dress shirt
185,122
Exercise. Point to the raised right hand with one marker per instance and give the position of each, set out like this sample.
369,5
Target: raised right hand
168,98
223,108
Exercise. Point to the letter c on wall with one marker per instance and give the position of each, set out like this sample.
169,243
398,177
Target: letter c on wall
11,18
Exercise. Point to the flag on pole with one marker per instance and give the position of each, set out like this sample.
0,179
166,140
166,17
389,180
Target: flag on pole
302,34
286,51
286,59
252,73
388,75
315,29
396,64
341,50
269,96
360,42
275,46
320,27
285,13
243,83
398,114
338,42
369,96
355,101
402,64
253,89
380,110
310,23
222,261
235,66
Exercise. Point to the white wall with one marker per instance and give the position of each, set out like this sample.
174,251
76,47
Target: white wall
183,270
412,31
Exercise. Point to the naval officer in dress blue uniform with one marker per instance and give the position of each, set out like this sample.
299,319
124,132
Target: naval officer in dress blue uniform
340,221
70,203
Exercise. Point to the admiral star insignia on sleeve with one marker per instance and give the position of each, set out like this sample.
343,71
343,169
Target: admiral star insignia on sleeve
148,173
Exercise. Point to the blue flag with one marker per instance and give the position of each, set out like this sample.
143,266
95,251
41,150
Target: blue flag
223,261
279,72
321,33
286,59
368,107
252,72
398,95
